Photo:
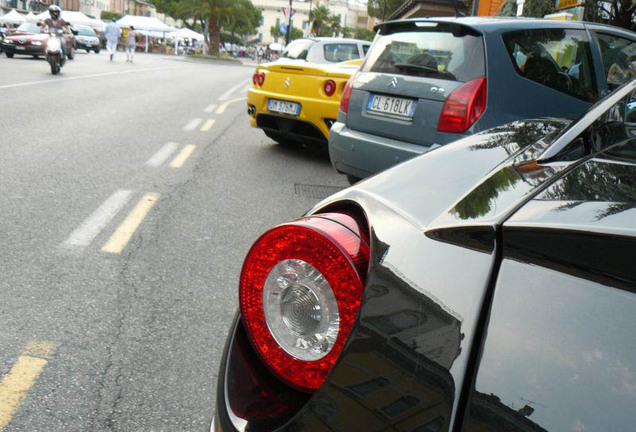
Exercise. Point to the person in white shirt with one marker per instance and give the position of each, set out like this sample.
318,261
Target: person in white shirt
112,34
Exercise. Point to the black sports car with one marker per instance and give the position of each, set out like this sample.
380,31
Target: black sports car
489,285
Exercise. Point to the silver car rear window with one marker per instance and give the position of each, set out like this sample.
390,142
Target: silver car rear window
431,51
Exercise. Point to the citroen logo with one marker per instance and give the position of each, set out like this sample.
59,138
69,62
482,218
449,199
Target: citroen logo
287,82
393,82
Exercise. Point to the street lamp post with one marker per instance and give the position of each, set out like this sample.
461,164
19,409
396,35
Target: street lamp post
289,21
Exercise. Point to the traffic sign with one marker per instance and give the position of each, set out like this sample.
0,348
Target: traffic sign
283,28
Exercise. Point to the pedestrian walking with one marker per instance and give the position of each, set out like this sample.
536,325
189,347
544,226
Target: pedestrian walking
131,44
112,34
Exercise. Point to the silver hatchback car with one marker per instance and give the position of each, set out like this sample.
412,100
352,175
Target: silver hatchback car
428,82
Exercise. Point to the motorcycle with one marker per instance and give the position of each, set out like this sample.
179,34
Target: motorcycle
54,53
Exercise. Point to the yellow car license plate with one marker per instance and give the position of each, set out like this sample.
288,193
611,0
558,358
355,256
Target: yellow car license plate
284,107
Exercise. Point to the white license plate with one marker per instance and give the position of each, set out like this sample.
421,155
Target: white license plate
20,48
284,107
392,106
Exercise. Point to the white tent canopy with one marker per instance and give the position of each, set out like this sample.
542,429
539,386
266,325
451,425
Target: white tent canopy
71,16
97,24
30,17
186,33
12,17
144,24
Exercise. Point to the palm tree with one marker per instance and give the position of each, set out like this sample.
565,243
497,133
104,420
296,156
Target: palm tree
212,13
318,17
334,25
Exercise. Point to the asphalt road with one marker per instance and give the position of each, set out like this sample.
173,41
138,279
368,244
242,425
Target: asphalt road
125,215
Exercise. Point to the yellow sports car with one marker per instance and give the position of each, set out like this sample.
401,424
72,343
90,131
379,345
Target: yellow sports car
295,100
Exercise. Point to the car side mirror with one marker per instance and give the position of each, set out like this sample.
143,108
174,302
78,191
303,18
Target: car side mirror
39,24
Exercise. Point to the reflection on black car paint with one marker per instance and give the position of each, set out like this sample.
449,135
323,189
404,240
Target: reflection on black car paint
565,377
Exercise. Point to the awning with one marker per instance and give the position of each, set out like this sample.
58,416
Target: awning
144,24
12,17
73,17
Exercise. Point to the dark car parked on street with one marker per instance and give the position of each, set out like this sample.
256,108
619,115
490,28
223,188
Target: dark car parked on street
28,40
428,82
489,285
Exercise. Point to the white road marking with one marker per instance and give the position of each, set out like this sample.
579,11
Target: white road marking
51,81
210,108
88,230
162,155
228,93
193,124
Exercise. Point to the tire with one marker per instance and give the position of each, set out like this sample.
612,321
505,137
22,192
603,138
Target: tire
97,51
55,65
88,51
8,54
36,57
352,179
71,54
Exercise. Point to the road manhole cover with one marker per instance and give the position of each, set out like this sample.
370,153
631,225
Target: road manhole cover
315,191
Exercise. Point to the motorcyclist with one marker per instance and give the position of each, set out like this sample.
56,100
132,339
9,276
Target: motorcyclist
54,23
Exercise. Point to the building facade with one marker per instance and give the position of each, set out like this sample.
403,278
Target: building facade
352,14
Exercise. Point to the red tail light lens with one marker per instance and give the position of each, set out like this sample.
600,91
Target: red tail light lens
255,78
346,94
463,106
300,291
261,79
330,87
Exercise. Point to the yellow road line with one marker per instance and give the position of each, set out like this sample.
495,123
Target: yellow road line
127,228
16,384
183,156
223,107
208,125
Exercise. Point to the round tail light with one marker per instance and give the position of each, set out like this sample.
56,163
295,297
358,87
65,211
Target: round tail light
300,292
255,78
330,87
261,79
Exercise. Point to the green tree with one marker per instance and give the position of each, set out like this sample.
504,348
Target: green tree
243,17
531,8
364,34
347,32
319,16
107,16
295,33
237,16
382,9
333,23
619,13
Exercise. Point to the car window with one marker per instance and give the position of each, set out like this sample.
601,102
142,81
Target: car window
557,58
431,51
619,59
365,49
86,32
298,49
339,52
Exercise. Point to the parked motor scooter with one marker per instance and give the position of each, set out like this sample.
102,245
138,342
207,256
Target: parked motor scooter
54,53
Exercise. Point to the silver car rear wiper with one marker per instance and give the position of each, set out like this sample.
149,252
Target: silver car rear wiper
418,67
